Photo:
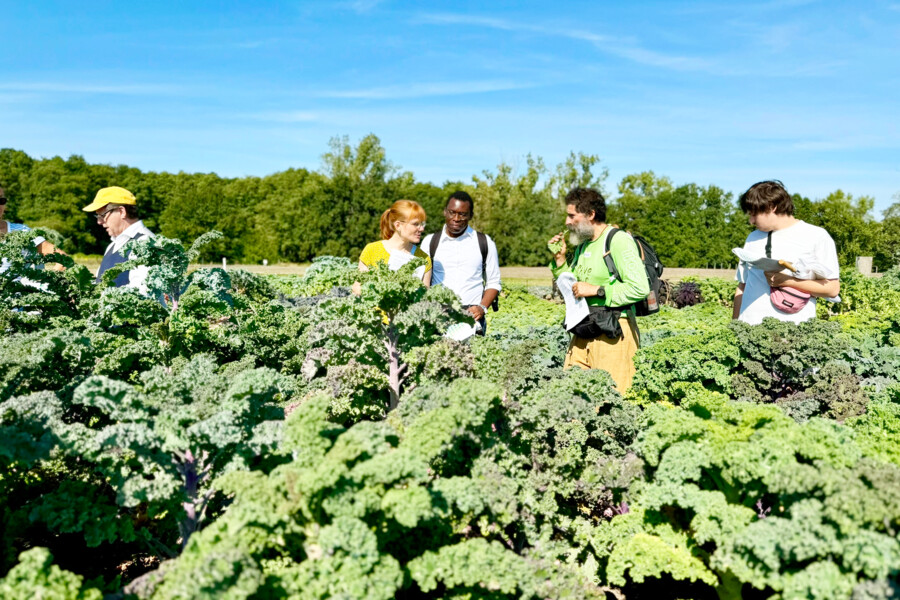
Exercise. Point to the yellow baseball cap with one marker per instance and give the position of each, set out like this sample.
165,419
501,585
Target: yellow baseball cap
110,195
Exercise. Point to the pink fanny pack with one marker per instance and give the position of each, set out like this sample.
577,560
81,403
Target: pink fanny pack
788,300
785,299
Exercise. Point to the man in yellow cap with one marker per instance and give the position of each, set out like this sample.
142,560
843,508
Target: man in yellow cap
116,209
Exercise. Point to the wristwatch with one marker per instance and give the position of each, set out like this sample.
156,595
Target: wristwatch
483,308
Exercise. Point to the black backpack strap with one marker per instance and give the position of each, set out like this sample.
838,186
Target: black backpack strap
435,240
769,245
607,257
482,245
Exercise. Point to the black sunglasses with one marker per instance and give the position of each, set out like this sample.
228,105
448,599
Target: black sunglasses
2,200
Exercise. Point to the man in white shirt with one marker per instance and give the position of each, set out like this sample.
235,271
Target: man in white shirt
116,209
463,259
770,209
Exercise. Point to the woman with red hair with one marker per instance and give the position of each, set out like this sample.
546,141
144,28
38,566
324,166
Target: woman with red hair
402,228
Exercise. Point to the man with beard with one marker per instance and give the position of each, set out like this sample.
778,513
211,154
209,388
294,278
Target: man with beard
465,260
612,339
115,209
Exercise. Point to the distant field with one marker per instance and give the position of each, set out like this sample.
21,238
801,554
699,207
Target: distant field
519,275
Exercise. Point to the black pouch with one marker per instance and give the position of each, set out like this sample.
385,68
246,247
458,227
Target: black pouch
601,320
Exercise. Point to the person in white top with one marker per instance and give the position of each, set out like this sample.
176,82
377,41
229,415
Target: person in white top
770,209
459,262
116,209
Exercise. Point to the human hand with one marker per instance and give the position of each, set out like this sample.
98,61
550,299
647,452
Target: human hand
582,289
475,311
557,245
778,279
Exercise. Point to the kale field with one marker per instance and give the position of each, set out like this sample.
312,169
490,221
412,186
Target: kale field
242,436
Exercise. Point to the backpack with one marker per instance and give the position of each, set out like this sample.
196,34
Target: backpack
654,269
482,245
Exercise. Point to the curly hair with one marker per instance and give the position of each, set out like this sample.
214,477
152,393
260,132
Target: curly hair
586,200
766,196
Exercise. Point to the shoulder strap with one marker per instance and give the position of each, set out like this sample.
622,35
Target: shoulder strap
435,240
769,245
482,244
607,256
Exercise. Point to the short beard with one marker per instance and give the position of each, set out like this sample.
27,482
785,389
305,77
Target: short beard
580,233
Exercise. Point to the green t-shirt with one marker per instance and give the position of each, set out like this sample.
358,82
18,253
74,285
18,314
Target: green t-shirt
590,267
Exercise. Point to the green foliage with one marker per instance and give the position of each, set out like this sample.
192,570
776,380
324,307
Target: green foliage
52,359
393,314
747,497
322,275
862,293
448,497
713,289
878,431
673,219
31,294
705,357
441,362
797,366
519,309
847,219
519,360
37,577
158,445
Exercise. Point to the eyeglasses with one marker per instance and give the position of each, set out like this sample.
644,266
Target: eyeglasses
2,200
458,215
416,224
102,216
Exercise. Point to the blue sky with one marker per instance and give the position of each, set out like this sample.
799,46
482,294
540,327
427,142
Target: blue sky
705,92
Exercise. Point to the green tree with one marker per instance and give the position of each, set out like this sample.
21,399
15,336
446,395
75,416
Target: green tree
887,254
690,226
848,220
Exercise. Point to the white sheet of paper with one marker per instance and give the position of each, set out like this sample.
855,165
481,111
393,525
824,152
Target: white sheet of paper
802,270
760,262
576,308
460,331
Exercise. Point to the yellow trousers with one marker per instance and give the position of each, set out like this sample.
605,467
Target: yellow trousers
616,356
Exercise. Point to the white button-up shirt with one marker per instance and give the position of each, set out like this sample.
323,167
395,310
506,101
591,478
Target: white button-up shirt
457,265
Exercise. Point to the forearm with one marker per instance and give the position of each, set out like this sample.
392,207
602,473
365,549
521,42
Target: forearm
738,297
488,297
818,288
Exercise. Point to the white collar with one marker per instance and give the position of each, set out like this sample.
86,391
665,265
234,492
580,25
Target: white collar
468,232
131,231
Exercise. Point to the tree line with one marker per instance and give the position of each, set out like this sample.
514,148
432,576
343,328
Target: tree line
298,214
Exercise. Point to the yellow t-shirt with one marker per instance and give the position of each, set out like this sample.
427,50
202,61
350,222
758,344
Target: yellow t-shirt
376,252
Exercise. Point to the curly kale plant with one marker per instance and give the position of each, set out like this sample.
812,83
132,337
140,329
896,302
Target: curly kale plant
53,359
402,507
393,314
159,445
521,359
37,577
30,293
799,367
686,293
740,496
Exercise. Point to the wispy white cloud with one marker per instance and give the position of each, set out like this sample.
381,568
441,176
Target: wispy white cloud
778,38
82,88
425,90
361,6
290,116
619,46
